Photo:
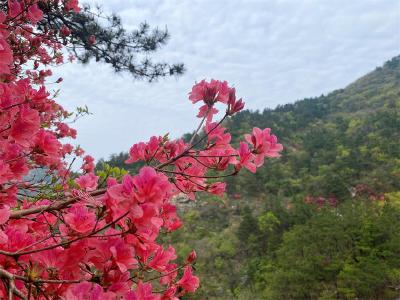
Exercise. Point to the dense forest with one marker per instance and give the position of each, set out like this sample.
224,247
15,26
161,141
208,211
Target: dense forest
320,222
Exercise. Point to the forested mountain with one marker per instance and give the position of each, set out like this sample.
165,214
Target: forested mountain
334,142
320,222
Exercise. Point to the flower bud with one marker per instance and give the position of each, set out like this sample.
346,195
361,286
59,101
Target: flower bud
191,257
92,40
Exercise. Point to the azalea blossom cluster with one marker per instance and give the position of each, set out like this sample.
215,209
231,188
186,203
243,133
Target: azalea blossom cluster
359,191
321,201
64,236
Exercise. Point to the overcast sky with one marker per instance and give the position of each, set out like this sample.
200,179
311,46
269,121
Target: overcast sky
273,52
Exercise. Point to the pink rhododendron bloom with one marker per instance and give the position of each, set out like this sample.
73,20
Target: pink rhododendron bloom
80,219
25,126
151,186
207,112
162,258
34,14
118,283
144,291
217,188
88,164
149,224
5,172
3,237
136,153
123,255
67,149
65,31
15,8
66,131
216,134
4,214
234,105
6,56
171,220
51,259
18,238
72,5
121,198
170,274
246,158
87,291
170,294
264,145
210,92
189,282
87,182
48,142
144,151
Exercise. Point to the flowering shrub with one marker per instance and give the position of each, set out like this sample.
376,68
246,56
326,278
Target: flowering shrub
66,237
360,191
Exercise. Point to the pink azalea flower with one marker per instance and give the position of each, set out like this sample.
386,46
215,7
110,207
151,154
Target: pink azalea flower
88,164
210,92
67,149
6,56
119,282
189,282
48,142
217,188
216,134
144,151
25,126
233,105
123,256
80,219
78,291
4,214
65,31
72,5
89,291
34,14
264,145
151,186
15,8
171,220
3,237
170,293
88,182
169,275
246,158
207,112
162,258
144,291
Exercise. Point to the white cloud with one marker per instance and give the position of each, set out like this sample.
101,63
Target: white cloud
273,51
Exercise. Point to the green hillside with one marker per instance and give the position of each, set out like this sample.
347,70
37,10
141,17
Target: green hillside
334,142
322,221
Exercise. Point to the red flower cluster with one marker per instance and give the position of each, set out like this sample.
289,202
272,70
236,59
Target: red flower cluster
67,237
321,201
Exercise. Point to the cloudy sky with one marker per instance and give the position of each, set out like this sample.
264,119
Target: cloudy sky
273,52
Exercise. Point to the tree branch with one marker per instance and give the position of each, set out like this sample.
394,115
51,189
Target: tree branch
51,207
